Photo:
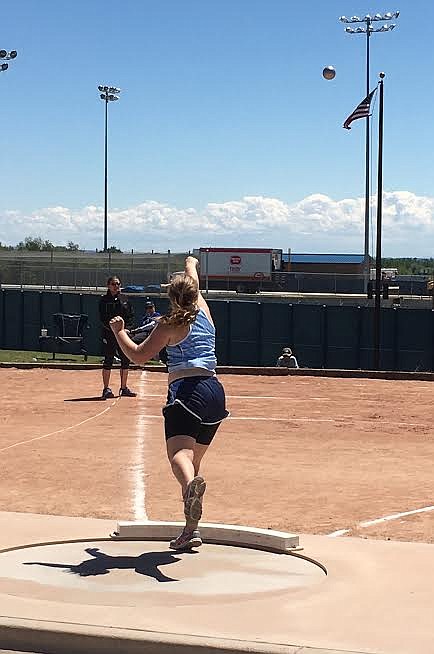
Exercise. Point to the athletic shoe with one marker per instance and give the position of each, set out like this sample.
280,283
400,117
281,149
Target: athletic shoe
126,392
186,540
193,499
107,394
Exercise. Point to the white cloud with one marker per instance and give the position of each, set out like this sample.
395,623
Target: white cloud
317,223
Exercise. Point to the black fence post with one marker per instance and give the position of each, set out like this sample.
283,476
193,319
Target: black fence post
260,345
3,318
228,333
396,316
41,310
432,340
324,335
359,337
291,325
22,320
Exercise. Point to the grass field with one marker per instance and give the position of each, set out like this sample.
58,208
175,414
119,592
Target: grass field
23,356
27,356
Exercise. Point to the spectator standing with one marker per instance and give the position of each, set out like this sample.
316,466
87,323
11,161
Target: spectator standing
112,304
287,359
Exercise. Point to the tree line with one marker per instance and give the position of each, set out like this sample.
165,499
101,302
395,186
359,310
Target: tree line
37,244
410,265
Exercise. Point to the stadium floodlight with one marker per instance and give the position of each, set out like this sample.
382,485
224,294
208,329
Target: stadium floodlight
108,94
4,54
369,19
368,29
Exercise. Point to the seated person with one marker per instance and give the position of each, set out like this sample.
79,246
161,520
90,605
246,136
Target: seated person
148,322
287,359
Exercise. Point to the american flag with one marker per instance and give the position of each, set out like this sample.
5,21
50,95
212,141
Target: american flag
361,111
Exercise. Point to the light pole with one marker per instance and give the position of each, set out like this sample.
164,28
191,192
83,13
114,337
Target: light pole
368,29
6,56
108,94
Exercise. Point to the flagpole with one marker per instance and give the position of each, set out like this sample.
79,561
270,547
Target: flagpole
377,308
367,165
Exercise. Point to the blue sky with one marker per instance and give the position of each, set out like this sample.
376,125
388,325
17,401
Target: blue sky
225,134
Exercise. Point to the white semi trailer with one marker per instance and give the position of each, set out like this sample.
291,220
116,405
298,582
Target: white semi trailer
240,269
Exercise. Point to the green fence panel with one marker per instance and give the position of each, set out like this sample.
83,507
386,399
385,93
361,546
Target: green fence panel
14,320
367,338
221,315
70,303
245,333
93,333
388,342
31,320
277,331
50,304
2,318
343,337
415,340
308,335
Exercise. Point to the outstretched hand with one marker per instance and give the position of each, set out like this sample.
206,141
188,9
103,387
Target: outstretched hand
192,260
117,324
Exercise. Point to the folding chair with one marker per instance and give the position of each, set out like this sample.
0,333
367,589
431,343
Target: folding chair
68,335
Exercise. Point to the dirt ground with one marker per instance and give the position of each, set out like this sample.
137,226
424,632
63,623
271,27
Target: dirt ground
300,454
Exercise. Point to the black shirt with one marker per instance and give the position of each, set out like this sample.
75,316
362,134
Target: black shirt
115,305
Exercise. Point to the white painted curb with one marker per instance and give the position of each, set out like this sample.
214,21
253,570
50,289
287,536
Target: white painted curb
267,539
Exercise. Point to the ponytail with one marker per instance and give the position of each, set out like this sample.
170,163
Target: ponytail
183,294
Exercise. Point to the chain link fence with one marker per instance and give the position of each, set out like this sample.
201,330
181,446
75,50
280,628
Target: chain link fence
81,270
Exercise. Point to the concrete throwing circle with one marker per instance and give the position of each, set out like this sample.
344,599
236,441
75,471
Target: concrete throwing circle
124,572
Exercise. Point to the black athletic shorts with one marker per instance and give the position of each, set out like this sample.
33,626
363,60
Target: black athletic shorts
111,349
195,407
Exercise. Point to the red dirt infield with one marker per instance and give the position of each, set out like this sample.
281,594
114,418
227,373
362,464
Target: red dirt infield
300,454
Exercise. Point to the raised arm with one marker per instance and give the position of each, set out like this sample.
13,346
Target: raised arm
191,269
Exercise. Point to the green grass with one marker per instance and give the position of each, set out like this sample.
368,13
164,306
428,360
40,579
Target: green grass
25,356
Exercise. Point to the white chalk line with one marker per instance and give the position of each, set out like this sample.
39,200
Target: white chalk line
139,488
59,431
386,518
338,420
257,397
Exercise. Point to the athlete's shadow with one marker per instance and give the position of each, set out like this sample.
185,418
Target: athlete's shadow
101,564
96,398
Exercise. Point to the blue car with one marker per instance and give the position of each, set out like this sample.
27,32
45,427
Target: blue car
149,288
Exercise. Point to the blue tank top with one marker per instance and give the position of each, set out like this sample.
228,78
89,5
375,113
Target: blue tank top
197,349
